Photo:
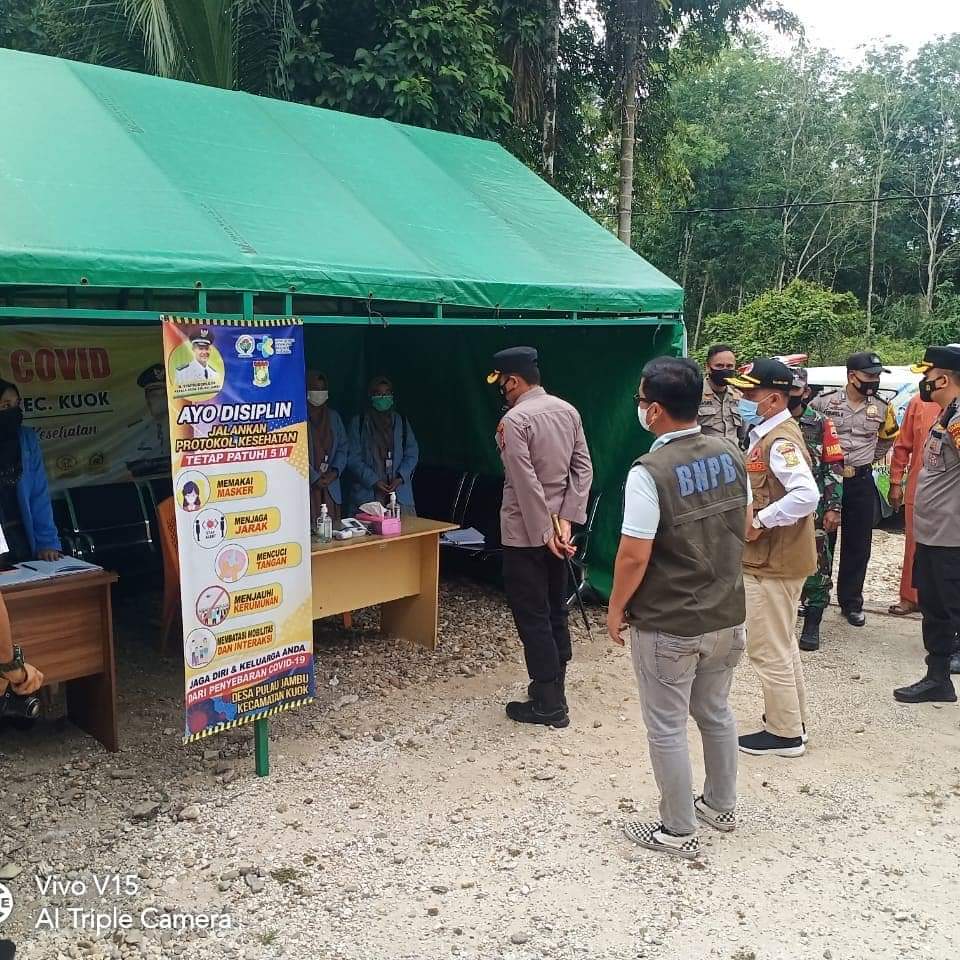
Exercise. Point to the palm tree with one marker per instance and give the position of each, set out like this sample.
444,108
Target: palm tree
234,44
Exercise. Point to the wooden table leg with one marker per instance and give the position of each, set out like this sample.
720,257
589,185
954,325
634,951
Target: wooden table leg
92,701
417,618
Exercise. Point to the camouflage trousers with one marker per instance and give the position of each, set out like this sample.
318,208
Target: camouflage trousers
816,591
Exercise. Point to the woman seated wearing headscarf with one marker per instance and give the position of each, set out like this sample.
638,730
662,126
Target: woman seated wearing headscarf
383,451
327,440
25,508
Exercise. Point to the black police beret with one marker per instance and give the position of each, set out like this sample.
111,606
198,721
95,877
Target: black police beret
517,360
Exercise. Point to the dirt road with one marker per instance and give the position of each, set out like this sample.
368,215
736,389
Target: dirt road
406,817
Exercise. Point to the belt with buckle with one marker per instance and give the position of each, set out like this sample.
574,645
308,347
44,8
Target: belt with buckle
850,472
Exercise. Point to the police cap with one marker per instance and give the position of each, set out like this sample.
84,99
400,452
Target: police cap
764,372
867,362
944,358
202,338
514,360
153,376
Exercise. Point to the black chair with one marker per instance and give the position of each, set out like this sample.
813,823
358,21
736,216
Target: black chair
111,523
581,540
69,540
480,509
438,491
160,488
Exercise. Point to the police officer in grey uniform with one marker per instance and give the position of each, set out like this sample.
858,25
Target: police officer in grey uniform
936,527
547,475
867,427
152,432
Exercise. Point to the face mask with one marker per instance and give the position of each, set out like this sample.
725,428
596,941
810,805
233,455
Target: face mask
382,403
10,421
642,417
750,411
318,398
796,404
928,389
868,389
719,378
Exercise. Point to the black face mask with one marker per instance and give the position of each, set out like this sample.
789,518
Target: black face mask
11,420
867,389
928,389
719,378
797,403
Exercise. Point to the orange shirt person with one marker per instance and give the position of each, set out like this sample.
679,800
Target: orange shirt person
917,421
24,678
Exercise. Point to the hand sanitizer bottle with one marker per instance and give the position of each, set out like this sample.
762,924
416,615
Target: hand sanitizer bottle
324,525
393,509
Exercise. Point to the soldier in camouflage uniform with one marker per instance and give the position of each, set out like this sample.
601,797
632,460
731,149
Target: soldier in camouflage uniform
827,456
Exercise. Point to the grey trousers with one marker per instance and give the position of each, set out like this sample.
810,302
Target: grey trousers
680,677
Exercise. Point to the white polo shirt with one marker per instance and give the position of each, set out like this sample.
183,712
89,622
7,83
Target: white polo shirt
641,507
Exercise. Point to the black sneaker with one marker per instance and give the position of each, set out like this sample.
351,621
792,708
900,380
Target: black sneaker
531,711
765,743
804,737
856,618
653,836
927,690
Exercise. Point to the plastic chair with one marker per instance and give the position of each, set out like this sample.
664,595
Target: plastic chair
167,532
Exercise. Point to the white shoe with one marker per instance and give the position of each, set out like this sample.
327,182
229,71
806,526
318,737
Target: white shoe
724,822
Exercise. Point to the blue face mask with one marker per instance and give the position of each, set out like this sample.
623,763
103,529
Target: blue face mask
750,411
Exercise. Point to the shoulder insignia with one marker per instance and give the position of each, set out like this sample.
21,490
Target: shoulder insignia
501,440
788,450
954,430
832,449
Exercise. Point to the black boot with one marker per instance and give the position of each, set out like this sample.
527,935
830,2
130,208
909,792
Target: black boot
810,637
563,686
545,708
930,689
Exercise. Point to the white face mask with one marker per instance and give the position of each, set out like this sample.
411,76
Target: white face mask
318,398
642,417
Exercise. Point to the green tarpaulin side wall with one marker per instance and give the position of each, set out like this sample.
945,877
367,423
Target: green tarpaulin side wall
439,375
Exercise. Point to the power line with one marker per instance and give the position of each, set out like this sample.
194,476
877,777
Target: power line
817,203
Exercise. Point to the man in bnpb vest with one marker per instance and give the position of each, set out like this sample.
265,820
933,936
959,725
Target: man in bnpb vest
936,528
826,458
547,476
780,554
867,427
678,584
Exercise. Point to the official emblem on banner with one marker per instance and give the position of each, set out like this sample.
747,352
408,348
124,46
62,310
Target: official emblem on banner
261,373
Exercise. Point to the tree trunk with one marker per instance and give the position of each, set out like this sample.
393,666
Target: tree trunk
703,300
628,127
549,142
874,223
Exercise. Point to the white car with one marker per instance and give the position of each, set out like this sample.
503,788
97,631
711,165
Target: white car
896,387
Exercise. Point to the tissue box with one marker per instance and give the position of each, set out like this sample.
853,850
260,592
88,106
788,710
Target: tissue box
381,526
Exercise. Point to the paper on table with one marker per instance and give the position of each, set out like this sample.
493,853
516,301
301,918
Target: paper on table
19,575
58,568
469,537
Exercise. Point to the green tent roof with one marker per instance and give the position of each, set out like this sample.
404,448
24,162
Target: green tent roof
128,180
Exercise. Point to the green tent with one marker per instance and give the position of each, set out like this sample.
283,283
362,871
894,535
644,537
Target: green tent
406,251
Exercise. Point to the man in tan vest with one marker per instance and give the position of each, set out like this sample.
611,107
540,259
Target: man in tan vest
780,554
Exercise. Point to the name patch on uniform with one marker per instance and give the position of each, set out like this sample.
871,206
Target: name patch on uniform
699,476
788,450
755,464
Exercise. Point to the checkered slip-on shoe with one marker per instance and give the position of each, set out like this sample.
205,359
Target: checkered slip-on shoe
724,822
654,837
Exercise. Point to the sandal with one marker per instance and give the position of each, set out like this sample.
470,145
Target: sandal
903,609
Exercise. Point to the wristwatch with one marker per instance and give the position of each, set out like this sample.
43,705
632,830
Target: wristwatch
15,664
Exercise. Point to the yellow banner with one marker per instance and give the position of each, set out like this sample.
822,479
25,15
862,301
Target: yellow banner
97,397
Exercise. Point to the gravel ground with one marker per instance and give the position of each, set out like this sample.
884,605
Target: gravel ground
406,817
